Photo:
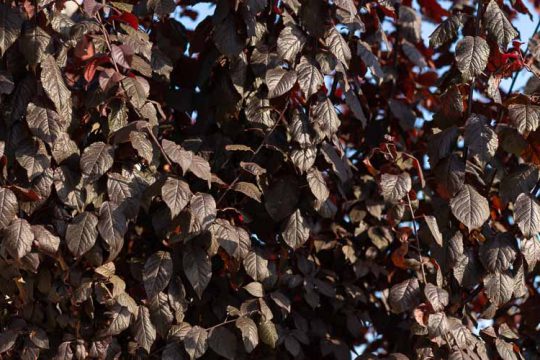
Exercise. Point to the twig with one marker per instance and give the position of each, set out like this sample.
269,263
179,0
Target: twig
159,146
107,40
231,321
472,84
516,74
417,239
395,56
282,113
109,46
158,350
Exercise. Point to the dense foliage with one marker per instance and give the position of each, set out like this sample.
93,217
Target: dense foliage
290,179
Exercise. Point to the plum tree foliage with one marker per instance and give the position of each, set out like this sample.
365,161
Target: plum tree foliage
294,179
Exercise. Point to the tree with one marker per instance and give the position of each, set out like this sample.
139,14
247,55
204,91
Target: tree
290,179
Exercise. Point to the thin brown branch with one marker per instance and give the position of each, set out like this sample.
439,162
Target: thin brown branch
266,137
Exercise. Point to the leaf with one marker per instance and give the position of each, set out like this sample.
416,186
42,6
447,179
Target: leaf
201,168
177,154
120,319
404,296
35,44
145,332
32,156
466,270
317,184
81,233
10,28
300,128
296,230
498,254
203,209
161,314
68,187
450,173
248,189
403,112
527,214
55,87
197,268
471,56
499,287
481,140
524,117
125,191
250,336
290,42
258,110
44,123
413,54
437,297
530,248
176,194
18,238
355,106
196,342
337,46
223,342
7,340
233,239
162,7
469,207
157,273
279,81
137,89
522,179
363,50
268,333
446,31
9,207
96,160
505,350
437,324
256,266
498,26
255,289
112,226
431,222
120,56
410,24
304,158
395,187
45,240
324,114
39,338
227,38
310,78
142,145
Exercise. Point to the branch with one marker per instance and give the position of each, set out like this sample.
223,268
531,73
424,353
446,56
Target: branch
471,86
281,114
107,40
416,237
516,74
